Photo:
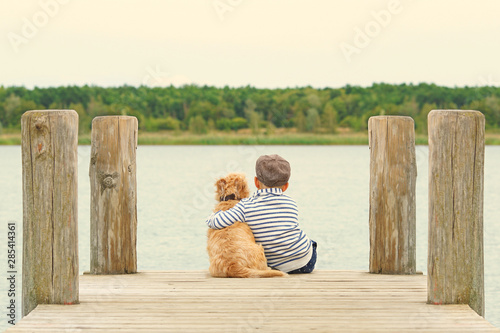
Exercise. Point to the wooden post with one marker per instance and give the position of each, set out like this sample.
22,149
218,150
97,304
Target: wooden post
113,206
393,173
455,262
50,207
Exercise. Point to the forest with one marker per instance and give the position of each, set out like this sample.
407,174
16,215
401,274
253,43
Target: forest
202,109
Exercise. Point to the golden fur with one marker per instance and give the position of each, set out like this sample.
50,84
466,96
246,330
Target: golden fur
232,251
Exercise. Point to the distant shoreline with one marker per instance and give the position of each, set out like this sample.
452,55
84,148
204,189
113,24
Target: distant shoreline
222,138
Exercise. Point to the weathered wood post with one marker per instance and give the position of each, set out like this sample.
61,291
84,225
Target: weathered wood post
393,173
50,207
113,205
455,264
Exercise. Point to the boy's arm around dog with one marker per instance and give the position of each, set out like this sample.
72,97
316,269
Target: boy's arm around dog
222,219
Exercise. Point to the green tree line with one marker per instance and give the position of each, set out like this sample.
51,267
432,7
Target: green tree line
200,109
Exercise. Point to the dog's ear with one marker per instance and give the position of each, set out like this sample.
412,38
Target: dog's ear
220,187
241,188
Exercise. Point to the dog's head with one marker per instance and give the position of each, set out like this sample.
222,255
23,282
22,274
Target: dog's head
232,187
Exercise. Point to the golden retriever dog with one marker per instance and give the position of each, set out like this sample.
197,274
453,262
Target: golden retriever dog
232,250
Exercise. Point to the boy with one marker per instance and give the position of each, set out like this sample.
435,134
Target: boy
273,218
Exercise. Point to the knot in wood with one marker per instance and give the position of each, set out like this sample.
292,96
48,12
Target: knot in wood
93,156
108,180
39,124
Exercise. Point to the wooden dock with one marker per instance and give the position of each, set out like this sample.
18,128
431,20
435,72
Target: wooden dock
191,301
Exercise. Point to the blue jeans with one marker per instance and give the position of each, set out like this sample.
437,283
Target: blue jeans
309,267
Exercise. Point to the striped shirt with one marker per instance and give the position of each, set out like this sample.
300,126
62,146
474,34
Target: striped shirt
273,218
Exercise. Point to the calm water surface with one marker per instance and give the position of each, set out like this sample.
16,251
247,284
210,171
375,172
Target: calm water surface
176,194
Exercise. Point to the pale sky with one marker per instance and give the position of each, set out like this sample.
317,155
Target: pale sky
263,43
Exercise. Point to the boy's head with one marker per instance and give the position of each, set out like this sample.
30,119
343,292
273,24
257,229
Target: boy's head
272,170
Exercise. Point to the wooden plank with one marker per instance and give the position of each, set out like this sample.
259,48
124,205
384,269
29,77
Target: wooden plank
190,301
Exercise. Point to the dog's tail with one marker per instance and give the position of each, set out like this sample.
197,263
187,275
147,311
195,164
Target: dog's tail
239,271
257,273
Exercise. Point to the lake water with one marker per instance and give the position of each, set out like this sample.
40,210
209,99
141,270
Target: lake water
176,193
